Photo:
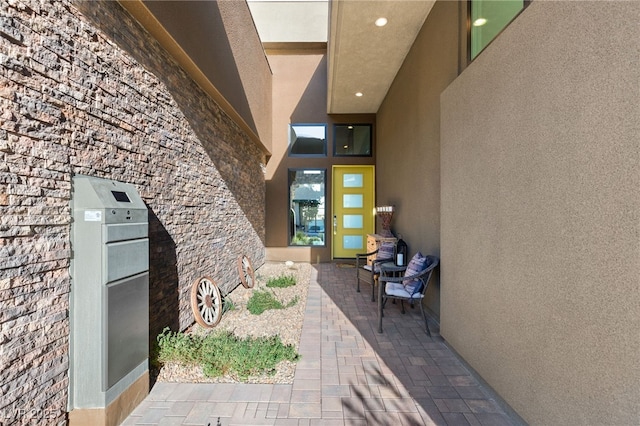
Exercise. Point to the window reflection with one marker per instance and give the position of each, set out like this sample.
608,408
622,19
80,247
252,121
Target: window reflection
307,140
307,207
352,139
488,18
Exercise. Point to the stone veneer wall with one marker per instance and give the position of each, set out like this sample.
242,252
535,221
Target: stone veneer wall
84,90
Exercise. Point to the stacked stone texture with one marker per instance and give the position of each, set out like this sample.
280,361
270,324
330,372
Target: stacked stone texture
84,90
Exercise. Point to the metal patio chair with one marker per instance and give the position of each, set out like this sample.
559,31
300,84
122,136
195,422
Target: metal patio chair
369,273
410,288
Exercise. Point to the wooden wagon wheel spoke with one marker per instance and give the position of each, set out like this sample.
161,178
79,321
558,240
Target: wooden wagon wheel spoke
245,270
206,302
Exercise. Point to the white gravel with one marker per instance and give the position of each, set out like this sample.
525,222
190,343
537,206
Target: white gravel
286,323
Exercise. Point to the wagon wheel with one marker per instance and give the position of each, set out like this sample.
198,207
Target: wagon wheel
206,302
247,277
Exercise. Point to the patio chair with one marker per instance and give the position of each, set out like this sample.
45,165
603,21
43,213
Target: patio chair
410,287
369,273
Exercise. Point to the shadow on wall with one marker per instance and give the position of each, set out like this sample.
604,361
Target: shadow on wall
163,280
312,103
215,22
235,156
309,109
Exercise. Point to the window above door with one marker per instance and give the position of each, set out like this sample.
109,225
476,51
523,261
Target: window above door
307,140
352,140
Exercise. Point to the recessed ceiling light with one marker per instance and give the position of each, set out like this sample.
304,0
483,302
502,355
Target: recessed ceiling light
479,22
359,94
381,22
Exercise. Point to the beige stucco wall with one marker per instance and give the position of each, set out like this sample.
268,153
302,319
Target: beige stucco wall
408,132
300,96
539,227
217,44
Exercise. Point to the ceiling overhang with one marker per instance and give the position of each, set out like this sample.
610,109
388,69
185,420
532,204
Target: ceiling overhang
365,58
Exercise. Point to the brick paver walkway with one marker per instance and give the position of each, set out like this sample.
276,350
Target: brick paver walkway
349,374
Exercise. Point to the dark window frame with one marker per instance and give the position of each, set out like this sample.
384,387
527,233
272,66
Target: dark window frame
335,140
291,225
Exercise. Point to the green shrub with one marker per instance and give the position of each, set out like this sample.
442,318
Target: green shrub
281,281
261,301
300,239
173,346
222,353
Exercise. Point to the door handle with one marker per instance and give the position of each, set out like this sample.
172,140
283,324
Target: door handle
335,225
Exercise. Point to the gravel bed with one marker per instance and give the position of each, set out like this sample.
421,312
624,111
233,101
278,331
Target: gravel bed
286,323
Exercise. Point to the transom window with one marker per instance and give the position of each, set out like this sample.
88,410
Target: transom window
307,140
352,140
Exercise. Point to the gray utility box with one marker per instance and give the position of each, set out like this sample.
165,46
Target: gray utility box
109,291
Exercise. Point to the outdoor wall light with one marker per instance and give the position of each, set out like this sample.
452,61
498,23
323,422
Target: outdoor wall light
359,94
479,22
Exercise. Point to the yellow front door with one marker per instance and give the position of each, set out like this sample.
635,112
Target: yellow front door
353,202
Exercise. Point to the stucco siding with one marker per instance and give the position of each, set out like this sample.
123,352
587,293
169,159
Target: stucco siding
217,42
299,96
408,150
539,227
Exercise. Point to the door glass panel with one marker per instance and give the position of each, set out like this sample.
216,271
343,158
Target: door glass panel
352,201
352,242
352,180
307,207
352,221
